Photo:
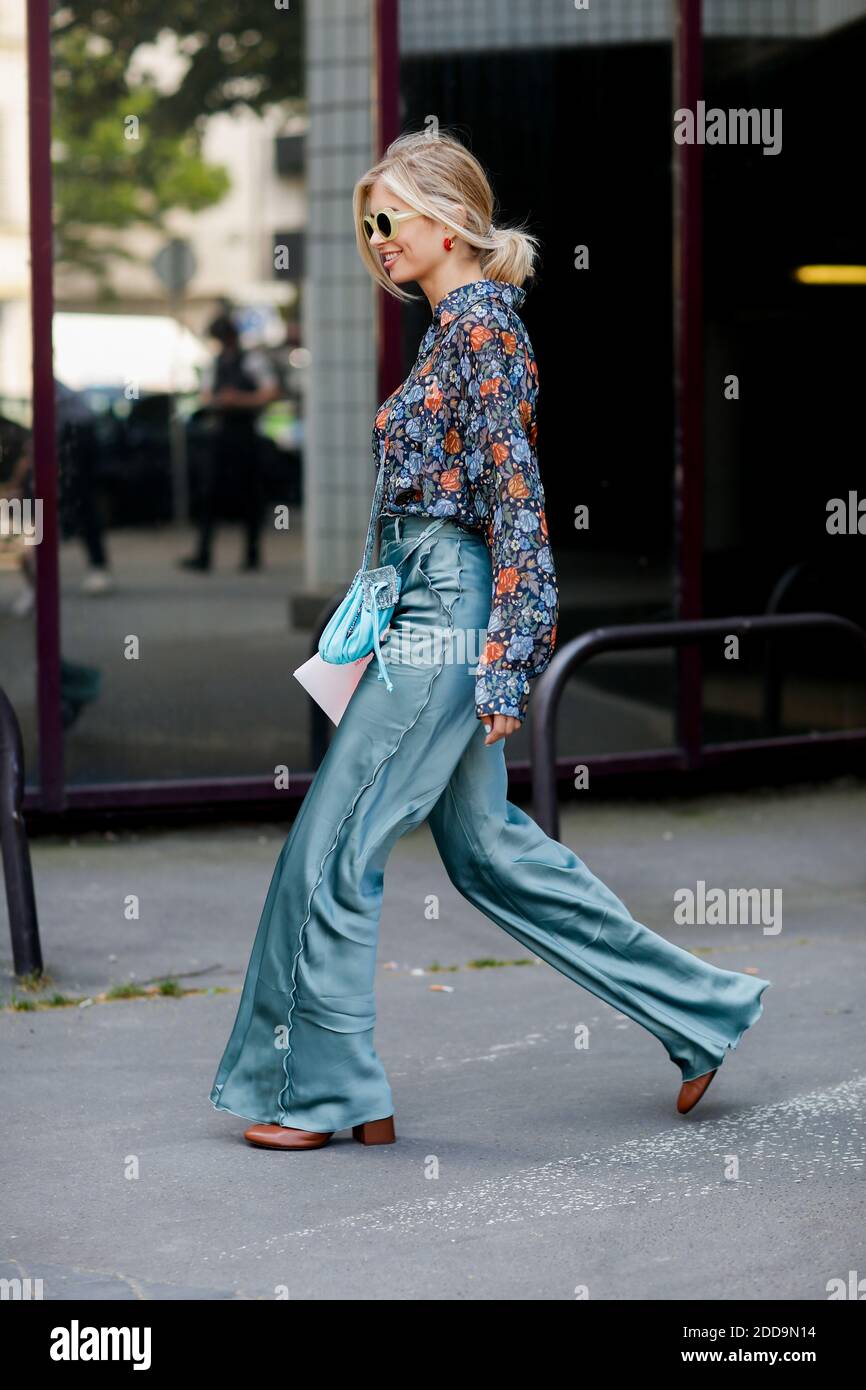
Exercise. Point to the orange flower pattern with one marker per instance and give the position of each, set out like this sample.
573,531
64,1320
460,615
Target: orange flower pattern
457,439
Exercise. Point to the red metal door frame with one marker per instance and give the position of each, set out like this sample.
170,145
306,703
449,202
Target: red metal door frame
44,450
688,308
53,795
688,364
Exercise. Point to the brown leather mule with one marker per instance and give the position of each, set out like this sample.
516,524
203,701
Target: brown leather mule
691,1091
282,1137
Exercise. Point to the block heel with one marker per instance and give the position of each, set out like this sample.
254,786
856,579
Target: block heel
375,1131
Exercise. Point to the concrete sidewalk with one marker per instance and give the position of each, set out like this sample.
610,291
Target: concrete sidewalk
524,1167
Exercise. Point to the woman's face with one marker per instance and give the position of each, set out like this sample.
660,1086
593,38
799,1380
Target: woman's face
416,249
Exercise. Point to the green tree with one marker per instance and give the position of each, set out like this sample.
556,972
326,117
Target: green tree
125,152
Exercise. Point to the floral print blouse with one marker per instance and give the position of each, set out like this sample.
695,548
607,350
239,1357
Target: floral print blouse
457,439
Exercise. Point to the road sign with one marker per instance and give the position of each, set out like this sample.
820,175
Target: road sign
175,265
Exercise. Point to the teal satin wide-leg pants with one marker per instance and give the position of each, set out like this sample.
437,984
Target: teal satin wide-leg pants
301,1051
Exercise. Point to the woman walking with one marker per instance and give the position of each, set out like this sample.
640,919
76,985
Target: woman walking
462,518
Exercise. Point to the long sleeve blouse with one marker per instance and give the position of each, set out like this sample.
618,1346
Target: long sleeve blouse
457,439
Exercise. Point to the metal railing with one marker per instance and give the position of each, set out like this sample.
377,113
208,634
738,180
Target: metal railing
17,870
633,637
772,669
802,570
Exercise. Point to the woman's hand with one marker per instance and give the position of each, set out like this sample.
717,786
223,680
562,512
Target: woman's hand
499,726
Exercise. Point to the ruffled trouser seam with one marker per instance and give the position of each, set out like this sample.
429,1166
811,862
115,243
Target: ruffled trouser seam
293,991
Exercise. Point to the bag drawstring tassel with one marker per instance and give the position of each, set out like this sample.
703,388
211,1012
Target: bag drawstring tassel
383,670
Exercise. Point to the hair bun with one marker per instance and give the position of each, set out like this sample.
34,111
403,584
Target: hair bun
442,179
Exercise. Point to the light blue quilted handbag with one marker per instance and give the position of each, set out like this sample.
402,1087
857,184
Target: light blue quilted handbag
364,614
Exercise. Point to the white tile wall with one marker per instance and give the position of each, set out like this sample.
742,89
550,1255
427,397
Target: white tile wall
339,305
832,13
437,26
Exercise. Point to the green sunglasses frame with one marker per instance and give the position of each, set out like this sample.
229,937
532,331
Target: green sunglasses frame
392,220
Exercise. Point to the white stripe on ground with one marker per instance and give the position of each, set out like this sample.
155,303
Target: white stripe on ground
816,1135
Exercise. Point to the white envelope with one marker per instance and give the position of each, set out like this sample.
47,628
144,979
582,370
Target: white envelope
329,685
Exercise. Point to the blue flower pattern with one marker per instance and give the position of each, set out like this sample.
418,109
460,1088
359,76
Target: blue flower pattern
457,439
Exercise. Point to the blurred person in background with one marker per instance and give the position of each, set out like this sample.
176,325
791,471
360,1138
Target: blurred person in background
15,487
236,388
80,685
78,454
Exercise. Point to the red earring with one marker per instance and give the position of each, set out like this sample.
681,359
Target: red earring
448,243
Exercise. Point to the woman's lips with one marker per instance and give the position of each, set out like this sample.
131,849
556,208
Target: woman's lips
388,258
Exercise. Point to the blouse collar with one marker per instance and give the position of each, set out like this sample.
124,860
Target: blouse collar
455,301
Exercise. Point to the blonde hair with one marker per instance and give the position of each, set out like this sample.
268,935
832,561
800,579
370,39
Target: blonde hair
435,173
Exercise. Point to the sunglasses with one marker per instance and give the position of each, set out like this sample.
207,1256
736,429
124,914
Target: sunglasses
387,222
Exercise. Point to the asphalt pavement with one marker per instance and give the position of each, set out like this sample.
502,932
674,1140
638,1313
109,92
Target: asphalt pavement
525,1168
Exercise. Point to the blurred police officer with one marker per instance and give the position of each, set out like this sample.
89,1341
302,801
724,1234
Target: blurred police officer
237,387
